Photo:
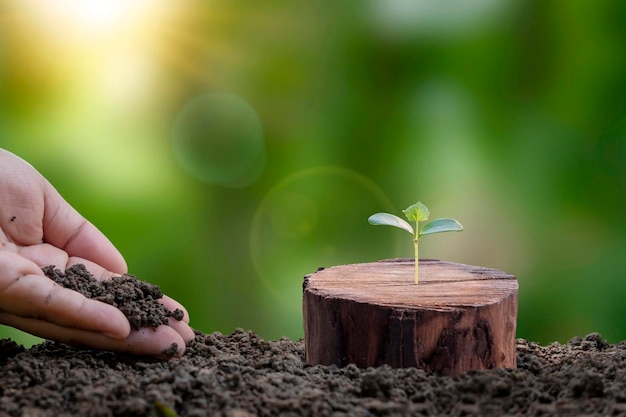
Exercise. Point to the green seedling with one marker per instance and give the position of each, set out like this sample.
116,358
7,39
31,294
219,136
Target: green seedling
162,410
416,213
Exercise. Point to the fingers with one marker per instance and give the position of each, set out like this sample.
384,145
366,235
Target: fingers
101,274
26,292
35,304
65,228
159,343
172,305
182,328
45,254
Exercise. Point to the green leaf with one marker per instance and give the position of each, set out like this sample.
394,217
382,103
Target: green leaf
161,410
441,225
417,212
390,220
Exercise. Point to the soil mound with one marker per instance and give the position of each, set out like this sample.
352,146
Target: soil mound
243,375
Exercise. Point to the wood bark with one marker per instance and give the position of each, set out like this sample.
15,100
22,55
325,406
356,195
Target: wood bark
459,317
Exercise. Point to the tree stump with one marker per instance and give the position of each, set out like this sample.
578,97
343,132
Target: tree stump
459,317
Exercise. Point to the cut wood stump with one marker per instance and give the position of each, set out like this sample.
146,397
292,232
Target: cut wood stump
459,317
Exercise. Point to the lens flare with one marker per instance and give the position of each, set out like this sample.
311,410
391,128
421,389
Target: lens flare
218,139
315,217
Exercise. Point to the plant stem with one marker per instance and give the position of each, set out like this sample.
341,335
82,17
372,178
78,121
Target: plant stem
415,241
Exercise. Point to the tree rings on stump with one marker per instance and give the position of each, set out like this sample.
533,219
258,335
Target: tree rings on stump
459,317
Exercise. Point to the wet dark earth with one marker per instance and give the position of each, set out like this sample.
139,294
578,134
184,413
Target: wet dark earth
241,375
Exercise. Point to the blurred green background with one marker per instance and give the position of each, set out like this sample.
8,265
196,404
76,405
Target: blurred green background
228,148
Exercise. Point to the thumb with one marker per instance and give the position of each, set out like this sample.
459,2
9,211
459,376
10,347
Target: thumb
66,229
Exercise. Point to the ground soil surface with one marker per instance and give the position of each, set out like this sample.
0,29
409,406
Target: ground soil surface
240,375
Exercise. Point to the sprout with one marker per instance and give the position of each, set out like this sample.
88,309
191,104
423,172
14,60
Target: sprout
161,410
416,213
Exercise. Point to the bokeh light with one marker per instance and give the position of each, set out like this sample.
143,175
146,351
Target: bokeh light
435,20
218,139
314,218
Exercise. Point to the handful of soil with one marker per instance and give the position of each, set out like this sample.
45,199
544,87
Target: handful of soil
138,300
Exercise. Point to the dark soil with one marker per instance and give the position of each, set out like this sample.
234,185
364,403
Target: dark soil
242,375
138,300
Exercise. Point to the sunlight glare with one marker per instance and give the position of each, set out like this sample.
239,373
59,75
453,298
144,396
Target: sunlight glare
110,50
100,16
84,21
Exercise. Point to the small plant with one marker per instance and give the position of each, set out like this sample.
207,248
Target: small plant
416,213
162,410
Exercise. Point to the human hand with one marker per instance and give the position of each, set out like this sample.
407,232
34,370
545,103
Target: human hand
39,228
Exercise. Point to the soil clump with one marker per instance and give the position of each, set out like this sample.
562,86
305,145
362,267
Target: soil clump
137,299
